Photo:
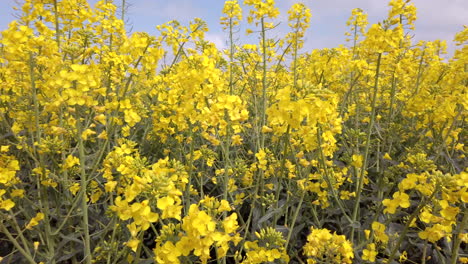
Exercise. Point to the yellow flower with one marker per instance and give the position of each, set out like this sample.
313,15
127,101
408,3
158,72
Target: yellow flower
36,245
230,223
261,9
426,216
346,195
403,257
321,243
167,253
101,119
409,182
133,244
369,253
400,199
4,148
49,182
6,204
266,129
448,212
96,194
199,222
142,215
379,232
233,14
433,234
224,206
262,161
74,188
387,156
236,140
131,117
110,186
71,161
102,135
134,229
164,202
357,160
17,193
9,167
35,221
88,132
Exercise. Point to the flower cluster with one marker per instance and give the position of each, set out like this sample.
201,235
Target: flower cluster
268,248
323,246
9,166
197,233
127,147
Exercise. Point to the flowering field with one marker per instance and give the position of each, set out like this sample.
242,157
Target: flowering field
132,148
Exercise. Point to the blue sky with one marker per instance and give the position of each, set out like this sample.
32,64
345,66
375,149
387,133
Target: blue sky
437,19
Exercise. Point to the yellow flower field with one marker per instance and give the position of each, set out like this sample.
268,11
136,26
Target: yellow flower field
133,148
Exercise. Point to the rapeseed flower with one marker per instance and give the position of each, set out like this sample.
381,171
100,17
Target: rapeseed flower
400,199
369,253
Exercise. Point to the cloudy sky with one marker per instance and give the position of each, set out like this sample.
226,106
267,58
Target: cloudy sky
437,19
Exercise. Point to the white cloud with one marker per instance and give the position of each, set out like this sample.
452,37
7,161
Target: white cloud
181,10
218,39
444,13
437,19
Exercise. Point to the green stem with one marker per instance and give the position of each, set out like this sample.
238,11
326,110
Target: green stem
43,194
366,153
84,203
57,24
457,241
114,231
20,232
283,173
123,10
190,165
226,149
23,252
264,86
293,222
72,208
231,55
328,179
418,77
423,260
402,236
138,252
